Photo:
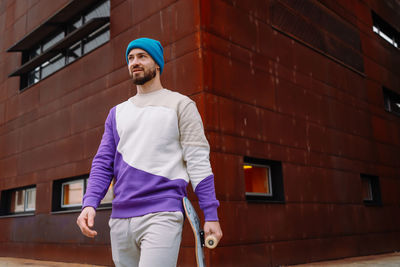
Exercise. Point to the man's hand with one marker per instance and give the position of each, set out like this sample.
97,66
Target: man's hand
212,229
85,221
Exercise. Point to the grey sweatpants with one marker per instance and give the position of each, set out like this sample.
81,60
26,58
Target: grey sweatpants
150,240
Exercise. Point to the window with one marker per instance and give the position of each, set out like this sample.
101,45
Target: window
392,101
370,188
73,32
16,201
385,30
257,179
263,180
68,194
72,193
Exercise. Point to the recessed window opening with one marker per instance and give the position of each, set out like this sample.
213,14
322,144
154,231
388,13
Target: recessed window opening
16,201
392,101
385,30
68,193
370,189
366,189
23,200
263,180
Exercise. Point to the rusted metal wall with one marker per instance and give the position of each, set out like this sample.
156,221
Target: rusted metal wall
307,94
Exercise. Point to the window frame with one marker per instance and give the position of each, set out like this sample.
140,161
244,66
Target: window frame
58,197
6,197
391,98
374,187
69,182
275,179
385,31
270,194
26,199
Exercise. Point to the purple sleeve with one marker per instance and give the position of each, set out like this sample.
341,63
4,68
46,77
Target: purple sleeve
102,170
205,192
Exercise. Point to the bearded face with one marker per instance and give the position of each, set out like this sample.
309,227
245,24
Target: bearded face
141,75
142,67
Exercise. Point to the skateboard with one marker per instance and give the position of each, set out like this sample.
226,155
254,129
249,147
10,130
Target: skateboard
198,233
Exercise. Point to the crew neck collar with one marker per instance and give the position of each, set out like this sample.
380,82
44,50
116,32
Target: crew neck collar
151,93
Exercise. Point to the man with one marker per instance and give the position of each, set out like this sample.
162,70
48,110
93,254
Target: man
153,144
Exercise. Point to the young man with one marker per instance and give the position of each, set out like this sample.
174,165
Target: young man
154,145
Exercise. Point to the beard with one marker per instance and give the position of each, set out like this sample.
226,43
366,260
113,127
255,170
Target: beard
148,76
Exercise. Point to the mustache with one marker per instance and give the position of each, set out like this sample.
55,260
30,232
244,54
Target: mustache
136,67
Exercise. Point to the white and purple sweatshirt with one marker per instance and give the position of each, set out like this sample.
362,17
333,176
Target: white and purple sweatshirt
153,144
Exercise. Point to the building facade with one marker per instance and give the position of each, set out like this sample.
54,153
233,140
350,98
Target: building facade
300,102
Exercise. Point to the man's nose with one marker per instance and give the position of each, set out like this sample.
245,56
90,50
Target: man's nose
134,61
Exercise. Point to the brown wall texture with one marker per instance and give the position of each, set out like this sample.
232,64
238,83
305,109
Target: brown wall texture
298,82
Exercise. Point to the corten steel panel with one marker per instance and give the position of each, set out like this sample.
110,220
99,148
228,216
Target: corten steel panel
389,185
8,167
245,218
43,196
246,83
307,184
22,104
230,23
40,11
374,50
184,73
173,22
122,20
141,10
378,243
230,166
32,135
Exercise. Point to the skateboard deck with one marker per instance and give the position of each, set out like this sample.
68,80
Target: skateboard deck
197,231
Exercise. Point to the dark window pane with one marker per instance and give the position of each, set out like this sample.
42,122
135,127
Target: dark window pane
53,40
52,65
17,201
72,193
366,188
34,52
75,25
96,39
101,11
34,76
392,101
30,199
370,189
258,180
385,30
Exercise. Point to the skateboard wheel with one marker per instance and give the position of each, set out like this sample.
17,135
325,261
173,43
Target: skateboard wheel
211,242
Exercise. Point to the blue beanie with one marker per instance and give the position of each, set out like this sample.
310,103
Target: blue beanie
153,47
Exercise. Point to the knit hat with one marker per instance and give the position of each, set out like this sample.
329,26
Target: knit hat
151,46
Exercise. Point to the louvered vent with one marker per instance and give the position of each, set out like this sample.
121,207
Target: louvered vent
316,26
